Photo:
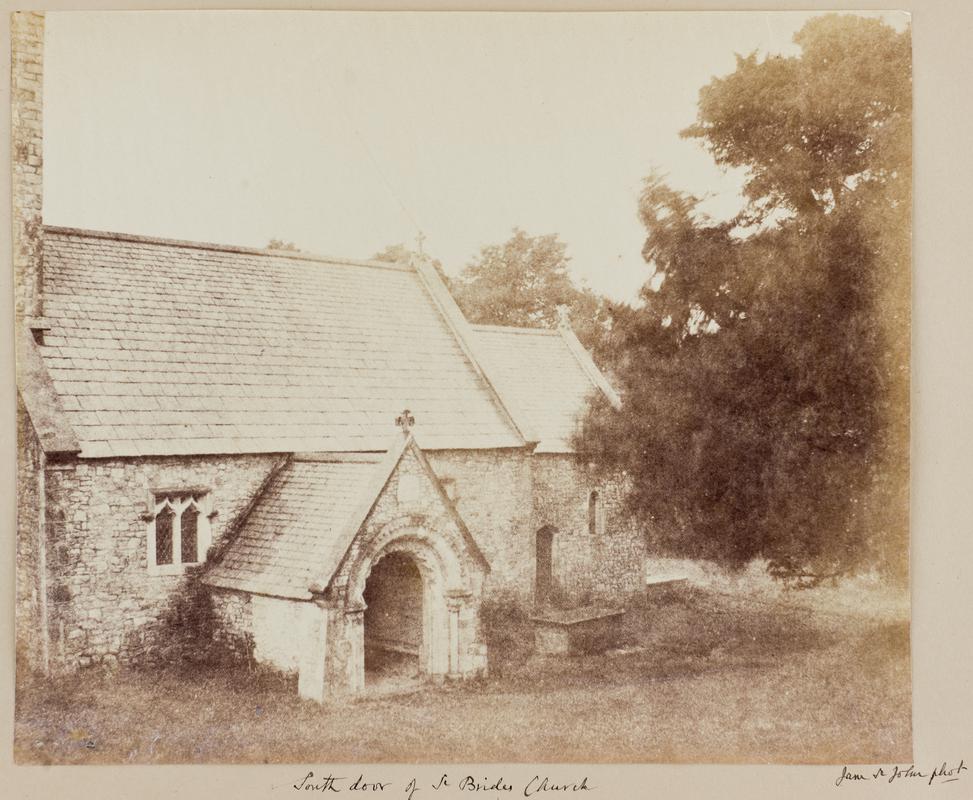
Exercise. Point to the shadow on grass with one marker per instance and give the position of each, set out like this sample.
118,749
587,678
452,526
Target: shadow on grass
211,712
672,634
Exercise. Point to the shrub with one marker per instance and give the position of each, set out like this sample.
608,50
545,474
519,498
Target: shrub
507,631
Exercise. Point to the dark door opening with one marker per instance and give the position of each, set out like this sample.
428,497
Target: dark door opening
393,619
544,570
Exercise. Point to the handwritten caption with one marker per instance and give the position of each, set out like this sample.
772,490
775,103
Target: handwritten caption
538,785
940,774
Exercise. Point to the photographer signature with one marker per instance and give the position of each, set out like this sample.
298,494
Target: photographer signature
940,774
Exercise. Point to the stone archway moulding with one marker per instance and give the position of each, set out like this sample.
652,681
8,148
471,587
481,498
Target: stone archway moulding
446,590
451,585
434,554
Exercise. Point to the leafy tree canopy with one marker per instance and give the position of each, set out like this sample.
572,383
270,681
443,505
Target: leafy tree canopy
280,244
400,254
525,282
810,129
765,379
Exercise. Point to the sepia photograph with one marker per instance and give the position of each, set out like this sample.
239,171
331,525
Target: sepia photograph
421,388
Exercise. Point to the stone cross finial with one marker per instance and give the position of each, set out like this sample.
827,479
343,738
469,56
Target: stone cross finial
563,316
405,420
419,240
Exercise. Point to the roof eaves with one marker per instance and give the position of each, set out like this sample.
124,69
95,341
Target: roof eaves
54,432
341,457
253,587
513,329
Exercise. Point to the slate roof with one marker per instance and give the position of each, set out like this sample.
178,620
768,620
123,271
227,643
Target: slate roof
295,529
159,347
298,531
547,375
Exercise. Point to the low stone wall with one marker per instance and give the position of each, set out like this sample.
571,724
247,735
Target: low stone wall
584,630
233,623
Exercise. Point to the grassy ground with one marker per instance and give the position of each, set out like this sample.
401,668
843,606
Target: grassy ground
701,676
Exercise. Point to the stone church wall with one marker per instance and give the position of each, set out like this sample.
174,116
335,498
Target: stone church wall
30,579
600,562
105,604
506,496
492,492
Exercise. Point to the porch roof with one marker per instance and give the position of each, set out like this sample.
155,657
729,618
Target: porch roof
295,527
547,375
294,539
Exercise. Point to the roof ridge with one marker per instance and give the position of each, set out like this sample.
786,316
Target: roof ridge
456,322
225,248
588,365
515,329
339,457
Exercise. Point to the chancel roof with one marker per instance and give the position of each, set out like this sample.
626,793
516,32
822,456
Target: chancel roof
546,374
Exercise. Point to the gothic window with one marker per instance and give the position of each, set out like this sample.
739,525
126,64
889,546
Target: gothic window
178,532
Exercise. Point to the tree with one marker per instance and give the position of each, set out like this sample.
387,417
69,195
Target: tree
280,244
400,254
765,380
524,282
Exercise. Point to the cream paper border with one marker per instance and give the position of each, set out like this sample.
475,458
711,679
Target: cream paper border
942,487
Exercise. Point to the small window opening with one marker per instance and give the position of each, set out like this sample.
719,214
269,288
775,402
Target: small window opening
593,513
449,484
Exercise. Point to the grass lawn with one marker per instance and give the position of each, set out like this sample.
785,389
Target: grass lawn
702,676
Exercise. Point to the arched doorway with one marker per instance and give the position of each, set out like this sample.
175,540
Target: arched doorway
393,619
382,592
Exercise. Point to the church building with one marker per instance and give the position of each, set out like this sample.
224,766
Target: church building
319,457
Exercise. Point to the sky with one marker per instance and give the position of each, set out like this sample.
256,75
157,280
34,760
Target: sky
348,132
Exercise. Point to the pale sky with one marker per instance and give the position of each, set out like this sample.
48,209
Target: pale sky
346,132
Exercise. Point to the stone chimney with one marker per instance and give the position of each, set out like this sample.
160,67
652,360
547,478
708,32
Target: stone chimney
27,157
